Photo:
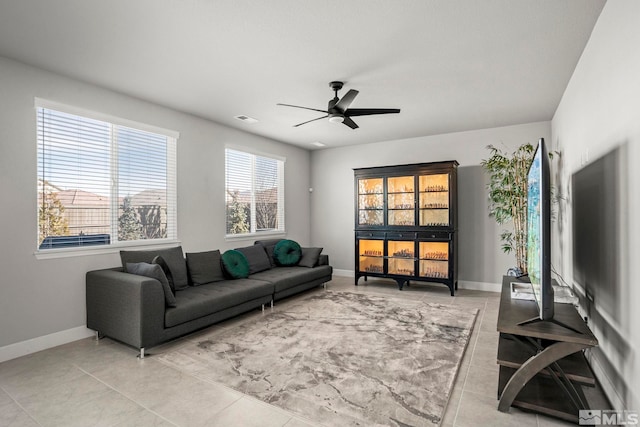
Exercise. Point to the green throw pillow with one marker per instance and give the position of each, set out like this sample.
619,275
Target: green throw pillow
236,264
287,252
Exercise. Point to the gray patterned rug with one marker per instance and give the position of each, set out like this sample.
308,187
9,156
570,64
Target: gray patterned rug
341,358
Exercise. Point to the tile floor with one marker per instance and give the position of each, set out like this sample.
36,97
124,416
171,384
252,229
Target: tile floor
102,383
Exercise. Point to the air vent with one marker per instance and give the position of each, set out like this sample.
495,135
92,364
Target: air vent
246,119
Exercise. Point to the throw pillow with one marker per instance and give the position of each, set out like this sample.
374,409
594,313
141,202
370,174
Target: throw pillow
204,267
257,257
309,257
269,245
153,271
236,264
173,257
166,270
287,252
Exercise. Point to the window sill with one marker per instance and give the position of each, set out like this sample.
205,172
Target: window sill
100,250
255,236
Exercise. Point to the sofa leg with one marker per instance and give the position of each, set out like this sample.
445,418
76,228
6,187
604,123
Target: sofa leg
263,308
271,303
98,336
141,355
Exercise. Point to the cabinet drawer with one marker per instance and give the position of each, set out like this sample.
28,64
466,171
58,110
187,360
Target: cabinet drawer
395,235
437,235
370,234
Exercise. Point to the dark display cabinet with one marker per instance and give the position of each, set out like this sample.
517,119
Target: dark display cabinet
406,220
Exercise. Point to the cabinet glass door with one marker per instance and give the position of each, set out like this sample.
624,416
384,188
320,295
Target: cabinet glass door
434,259
401,200
434,200
370,201
401,257
370,254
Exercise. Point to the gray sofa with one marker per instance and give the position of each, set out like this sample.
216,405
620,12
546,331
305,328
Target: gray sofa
135,309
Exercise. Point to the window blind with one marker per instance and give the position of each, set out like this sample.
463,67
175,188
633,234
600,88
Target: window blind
100,182
254,193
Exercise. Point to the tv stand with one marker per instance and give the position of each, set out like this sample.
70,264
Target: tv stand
542,364
553,320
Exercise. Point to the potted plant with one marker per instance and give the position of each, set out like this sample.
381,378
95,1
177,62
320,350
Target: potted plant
508,197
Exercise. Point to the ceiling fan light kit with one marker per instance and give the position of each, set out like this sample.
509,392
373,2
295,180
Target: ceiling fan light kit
336,118
338,110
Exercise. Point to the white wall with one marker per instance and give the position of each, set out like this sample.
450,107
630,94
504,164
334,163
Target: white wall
599,112
41,297
332,201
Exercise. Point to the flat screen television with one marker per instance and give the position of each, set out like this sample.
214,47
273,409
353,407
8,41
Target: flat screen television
539,230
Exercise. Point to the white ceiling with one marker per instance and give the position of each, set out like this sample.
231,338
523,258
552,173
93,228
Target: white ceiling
450,65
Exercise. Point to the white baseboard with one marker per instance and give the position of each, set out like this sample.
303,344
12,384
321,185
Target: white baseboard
479,286
343,273
34,345
462,284
617,402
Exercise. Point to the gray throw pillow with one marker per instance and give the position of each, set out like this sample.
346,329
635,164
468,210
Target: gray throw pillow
167,271
154,271
173,257
310,257
204,267
269,246
257,257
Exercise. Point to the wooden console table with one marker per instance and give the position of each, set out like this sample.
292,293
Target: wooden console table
542,365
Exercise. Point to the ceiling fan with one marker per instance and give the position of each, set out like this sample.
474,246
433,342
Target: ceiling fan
338,110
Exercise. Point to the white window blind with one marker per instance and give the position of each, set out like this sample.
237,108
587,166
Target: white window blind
101,182
254,193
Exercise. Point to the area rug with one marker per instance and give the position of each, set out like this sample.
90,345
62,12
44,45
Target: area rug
340,358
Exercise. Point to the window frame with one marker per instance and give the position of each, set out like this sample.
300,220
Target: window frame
281,230
171,184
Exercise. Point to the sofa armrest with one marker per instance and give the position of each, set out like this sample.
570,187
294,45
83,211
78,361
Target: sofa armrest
126,307
323,259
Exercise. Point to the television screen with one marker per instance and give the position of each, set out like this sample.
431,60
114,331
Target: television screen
538,231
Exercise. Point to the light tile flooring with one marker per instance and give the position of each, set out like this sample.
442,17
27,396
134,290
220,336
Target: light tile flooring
102,383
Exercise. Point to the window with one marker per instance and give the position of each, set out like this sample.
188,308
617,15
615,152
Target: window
254,193
102,181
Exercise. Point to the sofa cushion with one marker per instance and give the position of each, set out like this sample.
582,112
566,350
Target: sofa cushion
204,267
153,271
200,301
167,271
287,252
257,257
173,257
289,277
269,245
236,264
309,257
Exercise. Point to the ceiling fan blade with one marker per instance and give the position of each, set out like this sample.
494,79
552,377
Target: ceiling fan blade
347,121
352,112
304,108
309,121
346,100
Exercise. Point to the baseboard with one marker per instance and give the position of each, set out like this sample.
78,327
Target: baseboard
462,284
617,402
479,286
343,273
34,345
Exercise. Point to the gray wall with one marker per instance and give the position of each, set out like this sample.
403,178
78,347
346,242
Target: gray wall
332,201
599,113
41,297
